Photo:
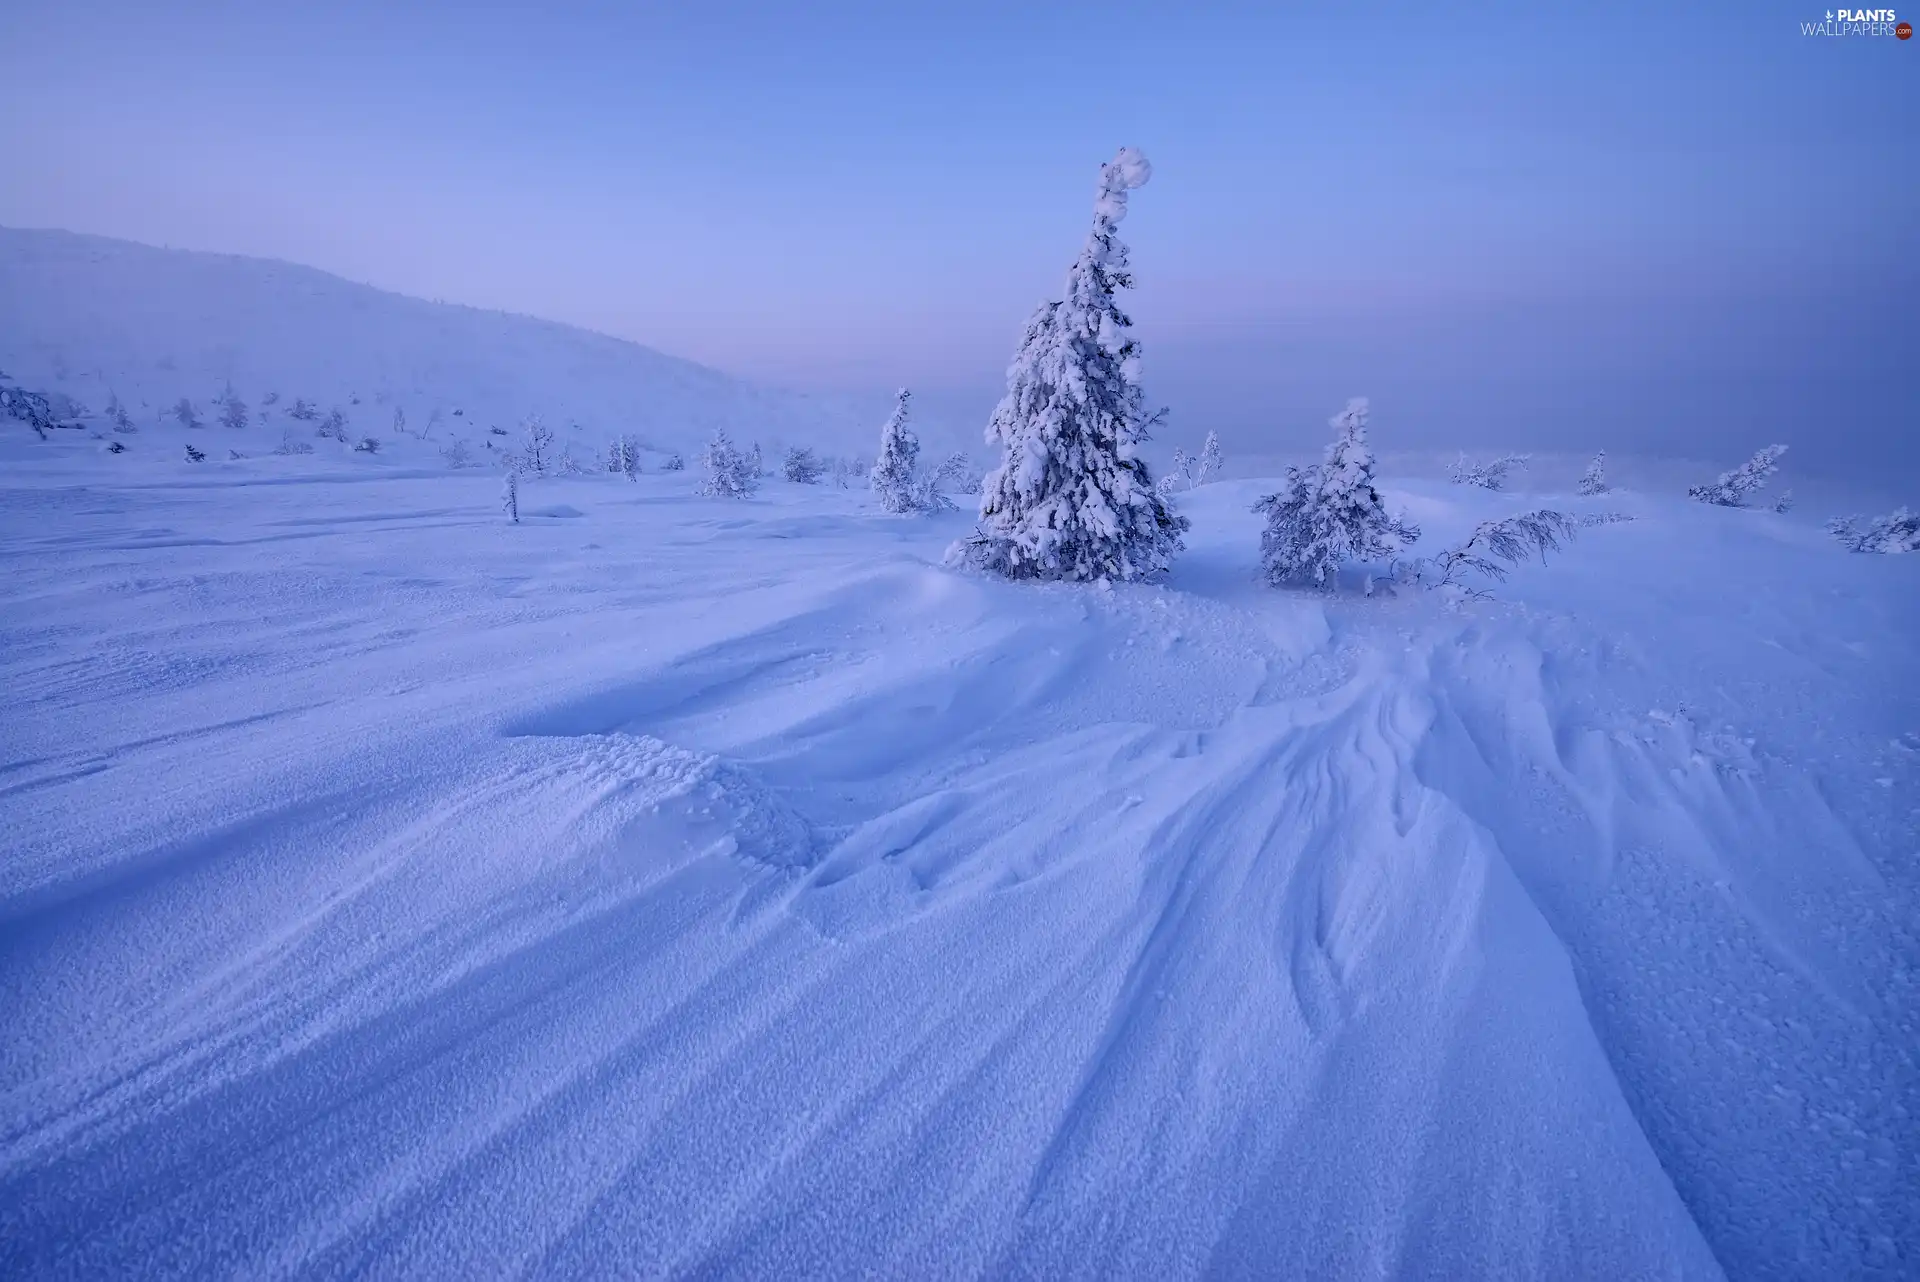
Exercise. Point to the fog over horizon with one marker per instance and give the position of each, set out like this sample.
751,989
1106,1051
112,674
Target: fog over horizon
1660,231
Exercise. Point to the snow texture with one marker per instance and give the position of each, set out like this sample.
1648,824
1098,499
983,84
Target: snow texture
1331,514
1072,498
667,888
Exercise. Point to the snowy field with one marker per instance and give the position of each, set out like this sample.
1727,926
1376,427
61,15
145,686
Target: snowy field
673,886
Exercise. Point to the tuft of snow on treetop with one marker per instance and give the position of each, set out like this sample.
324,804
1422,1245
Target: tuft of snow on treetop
1072,498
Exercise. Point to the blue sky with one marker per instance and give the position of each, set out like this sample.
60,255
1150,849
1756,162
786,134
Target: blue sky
1681,227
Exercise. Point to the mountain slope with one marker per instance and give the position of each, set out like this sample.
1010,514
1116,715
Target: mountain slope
89,317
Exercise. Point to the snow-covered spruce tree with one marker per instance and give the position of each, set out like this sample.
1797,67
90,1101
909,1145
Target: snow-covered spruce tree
1179,472
729,474
1329,514
1594,479
755,463
1072,498
801,466
233,410
510,493
1733,488
1209,465
675,462
892,477
1898,531
185,414
333,427
1491,475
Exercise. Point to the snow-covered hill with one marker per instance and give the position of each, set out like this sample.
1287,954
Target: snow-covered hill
668,886
90,317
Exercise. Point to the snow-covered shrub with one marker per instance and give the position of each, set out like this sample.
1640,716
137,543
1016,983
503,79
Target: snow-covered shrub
334,427
729,473
367,445
1594,479
457,453
510,494
1072,498
536,455
1784,504
1329,514
1179,473
185,414
957,473
1494,547
801,466
31,408
304,410
196,456
289,444
1491,475
116,447
269,400
1735,487
118,416
675,462
892,477
567,464
233,410
234,456
399,421
1898,531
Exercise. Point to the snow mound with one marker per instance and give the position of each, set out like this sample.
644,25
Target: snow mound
720,805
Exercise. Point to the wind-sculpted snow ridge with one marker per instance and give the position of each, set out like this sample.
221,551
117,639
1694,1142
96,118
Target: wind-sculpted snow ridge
720,887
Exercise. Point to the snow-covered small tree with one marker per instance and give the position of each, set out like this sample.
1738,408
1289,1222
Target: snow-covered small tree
1898,531
270,399
195,456
1209,464
304,410
118,416
956,473
116,447
233,410
1179,472
1491,475
510,494
675,462
1072,498
1784,504
801,466
1734,488
1594,479
1331,513
892,477
185,414
367,445
457,453
31,408
1495,546
729,474
755,463
537,452
624,456
399,421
